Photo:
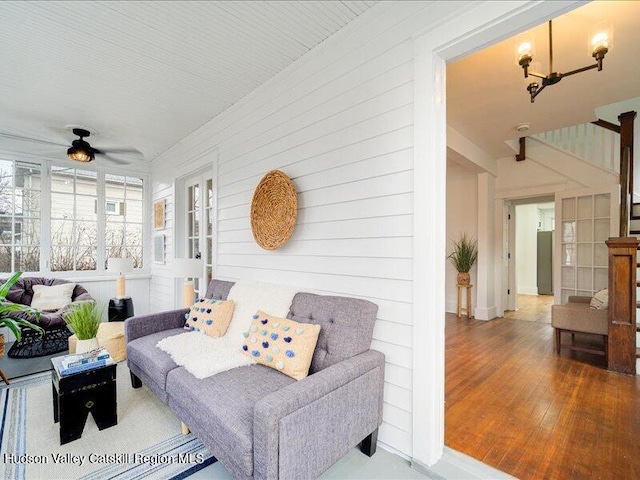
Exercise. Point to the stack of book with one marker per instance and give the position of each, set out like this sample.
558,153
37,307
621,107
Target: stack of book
80,362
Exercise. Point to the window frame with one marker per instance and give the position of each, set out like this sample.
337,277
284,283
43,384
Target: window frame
46,166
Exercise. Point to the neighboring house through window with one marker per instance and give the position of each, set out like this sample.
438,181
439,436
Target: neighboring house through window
91,216
20,216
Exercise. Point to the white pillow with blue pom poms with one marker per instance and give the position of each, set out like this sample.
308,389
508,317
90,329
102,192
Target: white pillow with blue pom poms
209,317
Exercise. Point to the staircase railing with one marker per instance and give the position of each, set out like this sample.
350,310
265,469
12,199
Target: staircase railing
626,170
588,141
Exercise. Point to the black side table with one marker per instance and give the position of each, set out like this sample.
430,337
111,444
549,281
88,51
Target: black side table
120,309
74,396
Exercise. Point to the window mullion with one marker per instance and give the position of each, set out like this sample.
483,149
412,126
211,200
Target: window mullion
45,219
101,223
13,217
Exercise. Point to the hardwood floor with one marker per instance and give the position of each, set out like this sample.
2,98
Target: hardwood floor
514,404
533,308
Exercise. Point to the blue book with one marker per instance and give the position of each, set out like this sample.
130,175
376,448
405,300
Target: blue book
99,353
85,367
82,361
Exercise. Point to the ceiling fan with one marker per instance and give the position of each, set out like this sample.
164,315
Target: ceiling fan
80,150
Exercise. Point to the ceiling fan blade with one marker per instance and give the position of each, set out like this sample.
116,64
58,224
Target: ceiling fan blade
124,150
13,136
112,159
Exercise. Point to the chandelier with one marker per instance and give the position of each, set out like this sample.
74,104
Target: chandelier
600,45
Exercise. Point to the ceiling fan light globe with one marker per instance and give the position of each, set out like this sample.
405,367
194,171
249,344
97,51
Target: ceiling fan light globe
79,155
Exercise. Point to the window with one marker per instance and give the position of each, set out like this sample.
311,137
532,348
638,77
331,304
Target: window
20,220
87,217
74,222
124,225
112,207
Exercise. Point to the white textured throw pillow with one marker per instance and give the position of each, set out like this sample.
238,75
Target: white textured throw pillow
600,300
52,298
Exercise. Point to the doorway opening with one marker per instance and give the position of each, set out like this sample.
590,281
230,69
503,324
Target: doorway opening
528,253
194,225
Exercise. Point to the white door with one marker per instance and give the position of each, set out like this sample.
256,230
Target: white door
198,228
584,220
509,293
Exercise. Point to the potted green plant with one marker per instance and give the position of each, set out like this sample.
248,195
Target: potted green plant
83,319
9,311
464,255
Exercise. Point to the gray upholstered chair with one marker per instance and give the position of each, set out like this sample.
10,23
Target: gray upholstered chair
577,316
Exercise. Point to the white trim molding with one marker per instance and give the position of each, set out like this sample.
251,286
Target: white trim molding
461,31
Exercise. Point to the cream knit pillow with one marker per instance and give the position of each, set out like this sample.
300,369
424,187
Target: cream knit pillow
52,298
600,300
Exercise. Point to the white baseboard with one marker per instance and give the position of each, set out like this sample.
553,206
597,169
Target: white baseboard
451,307
485,313
454,464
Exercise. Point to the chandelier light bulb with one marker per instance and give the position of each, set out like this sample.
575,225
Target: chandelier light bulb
599,41
524,55
524,49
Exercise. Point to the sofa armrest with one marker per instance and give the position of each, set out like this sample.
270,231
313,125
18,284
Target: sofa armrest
327,413
143,325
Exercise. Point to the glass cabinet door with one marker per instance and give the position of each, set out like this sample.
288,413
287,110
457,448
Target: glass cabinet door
587,219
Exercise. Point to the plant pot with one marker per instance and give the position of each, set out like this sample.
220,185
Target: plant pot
83,346
464,279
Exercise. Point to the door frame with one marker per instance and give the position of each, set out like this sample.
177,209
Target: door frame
476,27
180,230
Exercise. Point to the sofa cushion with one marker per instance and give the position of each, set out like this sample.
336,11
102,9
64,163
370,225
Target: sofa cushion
220,408
346,326
153,361
218,289
579,317
209,316
280,343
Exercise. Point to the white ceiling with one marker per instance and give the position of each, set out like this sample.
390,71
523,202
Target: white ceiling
486,94
145,74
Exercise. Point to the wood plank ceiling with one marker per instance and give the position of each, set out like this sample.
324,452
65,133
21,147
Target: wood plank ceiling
145,74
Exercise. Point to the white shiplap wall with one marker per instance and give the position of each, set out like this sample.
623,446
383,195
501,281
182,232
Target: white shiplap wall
339,122
162,292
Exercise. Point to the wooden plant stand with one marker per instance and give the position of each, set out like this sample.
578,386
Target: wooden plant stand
469,309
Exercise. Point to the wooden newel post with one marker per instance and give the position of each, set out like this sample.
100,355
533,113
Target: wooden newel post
622,304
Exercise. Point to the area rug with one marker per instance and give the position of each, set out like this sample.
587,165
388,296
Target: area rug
147,442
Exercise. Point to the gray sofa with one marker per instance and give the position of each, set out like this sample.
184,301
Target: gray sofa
258,422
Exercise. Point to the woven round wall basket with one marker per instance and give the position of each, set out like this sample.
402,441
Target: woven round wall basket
274,210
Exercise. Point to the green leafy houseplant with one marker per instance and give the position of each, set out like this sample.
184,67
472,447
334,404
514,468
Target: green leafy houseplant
464,255
84,318
8,311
